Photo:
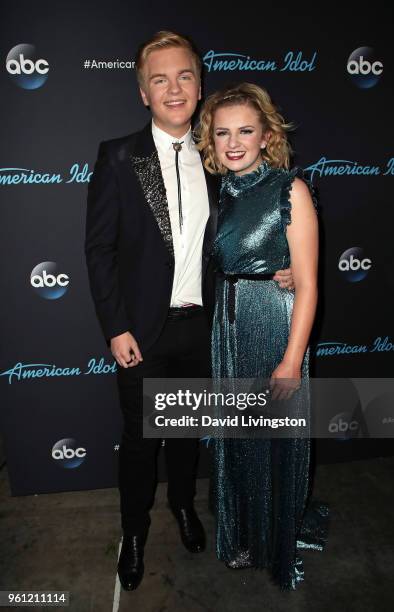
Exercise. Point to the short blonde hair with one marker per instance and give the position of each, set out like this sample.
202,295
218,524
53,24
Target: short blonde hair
164,40
278,149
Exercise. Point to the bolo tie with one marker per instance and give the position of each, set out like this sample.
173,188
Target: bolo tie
178,147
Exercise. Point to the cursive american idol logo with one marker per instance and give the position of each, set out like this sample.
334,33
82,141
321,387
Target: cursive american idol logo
293,61
28,176
29,371
347,167
329,349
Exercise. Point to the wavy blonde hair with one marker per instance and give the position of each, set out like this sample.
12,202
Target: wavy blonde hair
278,149
165,40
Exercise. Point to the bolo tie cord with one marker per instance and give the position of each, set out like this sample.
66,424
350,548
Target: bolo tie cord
178,147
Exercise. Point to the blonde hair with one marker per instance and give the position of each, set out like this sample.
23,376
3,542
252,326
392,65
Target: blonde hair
278,149
164,40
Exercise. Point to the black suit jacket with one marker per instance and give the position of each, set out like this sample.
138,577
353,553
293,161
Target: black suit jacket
128,246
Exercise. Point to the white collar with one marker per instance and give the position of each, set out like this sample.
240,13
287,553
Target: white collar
163,140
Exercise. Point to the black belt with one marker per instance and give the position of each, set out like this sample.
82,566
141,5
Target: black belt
184,312
233,279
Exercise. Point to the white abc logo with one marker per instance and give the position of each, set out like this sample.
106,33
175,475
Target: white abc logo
363,66
68,453
342,426
49,280
353,263
27,66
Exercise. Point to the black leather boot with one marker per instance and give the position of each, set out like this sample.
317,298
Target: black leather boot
131,561
191,529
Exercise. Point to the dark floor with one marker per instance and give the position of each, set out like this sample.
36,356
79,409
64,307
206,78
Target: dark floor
70,541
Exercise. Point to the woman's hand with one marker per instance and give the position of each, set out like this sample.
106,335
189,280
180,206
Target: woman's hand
285,379
284,279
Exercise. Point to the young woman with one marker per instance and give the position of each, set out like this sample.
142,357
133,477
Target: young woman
266,221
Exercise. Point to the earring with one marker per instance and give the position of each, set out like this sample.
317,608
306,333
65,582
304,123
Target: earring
263,146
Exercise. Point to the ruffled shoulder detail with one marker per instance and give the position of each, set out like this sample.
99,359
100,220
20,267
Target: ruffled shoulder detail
285,204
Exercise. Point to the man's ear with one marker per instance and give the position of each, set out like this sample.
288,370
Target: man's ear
144,97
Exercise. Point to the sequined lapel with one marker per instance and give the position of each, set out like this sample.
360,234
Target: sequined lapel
146,164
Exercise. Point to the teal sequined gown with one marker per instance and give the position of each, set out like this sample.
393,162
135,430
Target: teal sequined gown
261,486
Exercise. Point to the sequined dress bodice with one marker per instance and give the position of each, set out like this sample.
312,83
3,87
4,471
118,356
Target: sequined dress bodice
254,211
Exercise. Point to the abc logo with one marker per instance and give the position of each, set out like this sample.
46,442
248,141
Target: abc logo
47,282
67,454
354,265
26,71
343,426
363,68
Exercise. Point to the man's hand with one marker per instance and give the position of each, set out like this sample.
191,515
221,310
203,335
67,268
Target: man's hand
284,278
125,350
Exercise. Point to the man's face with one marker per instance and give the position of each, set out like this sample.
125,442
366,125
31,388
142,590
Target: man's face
171,89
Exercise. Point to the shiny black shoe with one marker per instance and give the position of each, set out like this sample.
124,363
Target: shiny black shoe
191,529
131,562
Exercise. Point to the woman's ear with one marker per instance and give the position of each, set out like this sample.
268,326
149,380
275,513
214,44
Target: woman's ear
265,139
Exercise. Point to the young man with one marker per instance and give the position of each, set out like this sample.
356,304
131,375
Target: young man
151,222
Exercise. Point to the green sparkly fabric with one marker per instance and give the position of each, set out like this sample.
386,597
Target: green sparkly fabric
261,485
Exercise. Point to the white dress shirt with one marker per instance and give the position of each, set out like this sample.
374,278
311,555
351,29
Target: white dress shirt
186,288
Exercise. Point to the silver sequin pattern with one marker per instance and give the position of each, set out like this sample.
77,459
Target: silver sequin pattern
151,179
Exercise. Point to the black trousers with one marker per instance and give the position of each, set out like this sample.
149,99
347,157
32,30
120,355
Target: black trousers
181,351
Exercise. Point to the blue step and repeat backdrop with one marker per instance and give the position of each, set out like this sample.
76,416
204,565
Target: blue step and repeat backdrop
68,82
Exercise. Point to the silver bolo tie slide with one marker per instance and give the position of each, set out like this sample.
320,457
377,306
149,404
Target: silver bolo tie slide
178,147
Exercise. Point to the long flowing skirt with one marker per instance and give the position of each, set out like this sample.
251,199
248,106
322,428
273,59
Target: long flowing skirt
264,513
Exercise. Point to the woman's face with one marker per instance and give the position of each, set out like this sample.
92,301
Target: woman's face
238,138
